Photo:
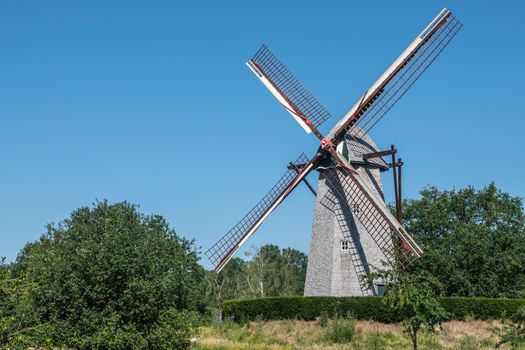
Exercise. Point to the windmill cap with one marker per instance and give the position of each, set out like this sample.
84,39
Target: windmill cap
353,148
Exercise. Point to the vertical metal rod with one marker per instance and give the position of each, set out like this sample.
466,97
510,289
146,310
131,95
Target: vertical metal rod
394,170
399,190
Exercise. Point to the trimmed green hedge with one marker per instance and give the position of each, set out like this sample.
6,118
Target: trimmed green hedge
480,308
364,308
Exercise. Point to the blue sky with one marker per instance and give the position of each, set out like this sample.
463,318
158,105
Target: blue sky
150,102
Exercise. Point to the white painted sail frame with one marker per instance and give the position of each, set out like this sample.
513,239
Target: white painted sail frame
305,171
282,100
387,74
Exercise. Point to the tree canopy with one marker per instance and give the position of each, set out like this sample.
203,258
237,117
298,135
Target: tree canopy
269,271
473,240
412,297
111,277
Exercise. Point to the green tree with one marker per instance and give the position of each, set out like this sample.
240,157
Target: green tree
293,271
413,298
473,240
230,283
110,277
275,272
514,331
18,326
270,271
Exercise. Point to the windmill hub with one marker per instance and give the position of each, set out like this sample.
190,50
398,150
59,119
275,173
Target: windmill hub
353,148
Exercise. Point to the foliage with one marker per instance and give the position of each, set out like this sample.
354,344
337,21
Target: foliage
474,240
460,308
308,335
110,277
174,329
229,284
323,319
514,331
18,328
363,308
412,297
342,330
275,272
270,271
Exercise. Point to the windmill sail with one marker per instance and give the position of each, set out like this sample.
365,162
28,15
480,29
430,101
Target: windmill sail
400,76
374,216
385,230
288,90
222,251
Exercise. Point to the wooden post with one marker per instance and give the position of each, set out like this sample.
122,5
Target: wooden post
394,170
400,214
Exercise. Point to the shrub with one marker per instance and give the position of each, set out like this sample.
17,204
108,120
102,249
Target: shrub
480,308
306,308
514,333
323,319
174,330
363,308
110,277
341,331
375,341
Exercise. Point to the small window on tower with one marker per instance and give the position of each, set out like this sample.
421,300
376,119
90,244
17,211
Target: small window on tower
345,246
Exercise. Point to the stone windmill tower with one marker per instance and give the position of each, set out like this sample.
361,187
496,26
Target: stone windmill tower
353,229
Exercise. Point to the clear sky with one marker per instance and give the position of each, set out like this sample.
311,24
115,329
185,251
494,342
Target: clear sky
150,102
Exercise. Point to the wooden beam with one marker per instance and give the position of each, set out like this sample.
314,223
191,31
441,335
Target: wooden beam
294,167
379,154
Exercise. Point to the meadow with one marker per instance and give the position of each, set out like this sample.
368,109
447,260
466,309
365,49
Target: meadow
369,335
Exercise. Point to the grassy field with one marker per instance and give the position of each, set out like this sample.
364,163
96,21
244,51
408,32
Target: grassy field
277,335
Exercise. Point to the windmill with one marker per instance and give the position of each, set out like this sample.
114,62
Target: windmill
350,210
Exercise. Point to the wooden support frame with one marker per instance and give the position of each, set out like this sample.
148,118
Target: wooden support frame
296,168
396,166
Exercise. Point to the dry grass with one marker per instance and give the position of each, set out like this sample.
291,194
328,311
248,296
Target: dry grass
308,335
481,329
372,326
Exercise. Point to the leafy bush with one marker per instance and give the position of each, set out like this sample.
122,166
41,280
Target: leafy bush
110,277
323,319
412,297
307,308
18,325
474,240
375,341
480,308
363,308
514,330
341,331
174,330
